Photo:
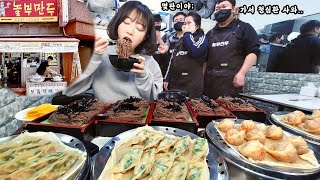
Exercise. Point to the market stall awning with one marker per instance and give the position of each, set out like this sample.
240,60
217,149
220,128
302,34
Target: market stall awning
47,44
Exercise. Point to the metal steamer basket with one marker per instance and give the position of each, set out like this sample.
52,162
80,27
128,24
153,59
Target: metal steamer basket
73,143
217,166
313,139
249,170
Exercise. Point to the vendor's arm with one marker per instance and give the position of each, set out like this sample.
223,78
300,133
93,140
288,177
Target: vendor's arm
149,82
251,47
196,48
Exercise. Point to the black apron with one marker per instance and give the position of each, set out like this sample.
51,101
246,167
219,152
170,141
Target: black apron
186,72
225,59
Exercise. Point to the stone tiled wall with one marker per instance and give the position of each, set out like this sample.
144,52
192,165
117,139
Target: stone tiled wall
10,104
270,83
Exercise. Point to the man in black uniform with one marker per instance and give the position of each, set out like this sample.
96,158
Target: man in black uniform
171,40
232,50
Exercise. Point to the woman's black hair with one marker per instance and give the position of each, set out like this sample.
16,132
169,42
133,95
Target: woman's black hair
197,20
149,43
179,13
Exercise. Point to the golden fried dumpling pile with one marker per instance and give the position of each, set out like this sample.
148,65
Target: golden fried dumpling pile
300,144
316,114
295,118
283,151
252,149
312,126
274,132
235,137
248,125
226,124
255,134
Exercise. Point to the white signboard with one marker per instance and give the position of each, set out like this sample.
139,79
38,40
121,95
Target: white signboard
58,47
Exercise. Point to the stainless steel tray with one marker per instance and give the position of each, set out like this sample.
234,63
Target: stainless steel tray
308,137
73,143
259,170
217,166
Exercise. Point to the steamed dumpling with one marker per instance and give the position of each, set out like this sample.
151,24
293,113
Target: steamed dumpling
145,165
181,146
226,124
198,171
166,143
274,132
130,159
248,125
235,137
141,136
300,144
162,166
252,149
178,171
200,149
311,126
255,134
283,151
154,139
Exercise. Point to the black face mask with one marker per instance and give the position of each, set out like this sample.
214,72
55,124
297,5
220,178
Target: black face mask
158,28
178,26
222,15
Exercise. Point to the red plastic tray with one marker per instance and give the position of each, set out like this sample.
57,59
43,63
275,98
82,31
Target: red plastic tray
185,125
113,127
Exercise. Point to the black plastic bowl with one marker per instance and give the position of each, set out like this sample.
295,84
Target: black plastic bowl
122,64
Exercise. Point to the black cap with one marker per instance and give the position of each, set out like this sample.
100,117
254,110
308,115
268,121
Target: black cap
233,2
157,18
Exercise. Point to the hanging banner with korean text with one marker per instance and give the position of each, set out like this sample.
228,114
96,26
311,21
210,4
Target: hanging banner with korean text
28,11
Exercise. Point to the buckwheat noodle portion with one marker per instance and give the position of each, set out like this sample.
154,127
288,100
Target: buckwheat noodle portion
124,48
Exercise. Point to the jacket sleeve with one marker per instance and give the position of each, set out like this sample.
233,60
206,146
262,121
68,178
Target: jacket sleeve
85,80
196,47
150,82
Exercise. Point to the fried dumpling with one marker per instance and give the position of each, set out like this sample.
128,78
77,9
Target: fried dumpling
198,171
300,114
166,143
181,146
200,149
255,134
292,119
178,171
248,125
235,137
316,113
145,165
274,132
154,140
283,151
226,124
252,149
129,159
300,144
162,166
311,126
